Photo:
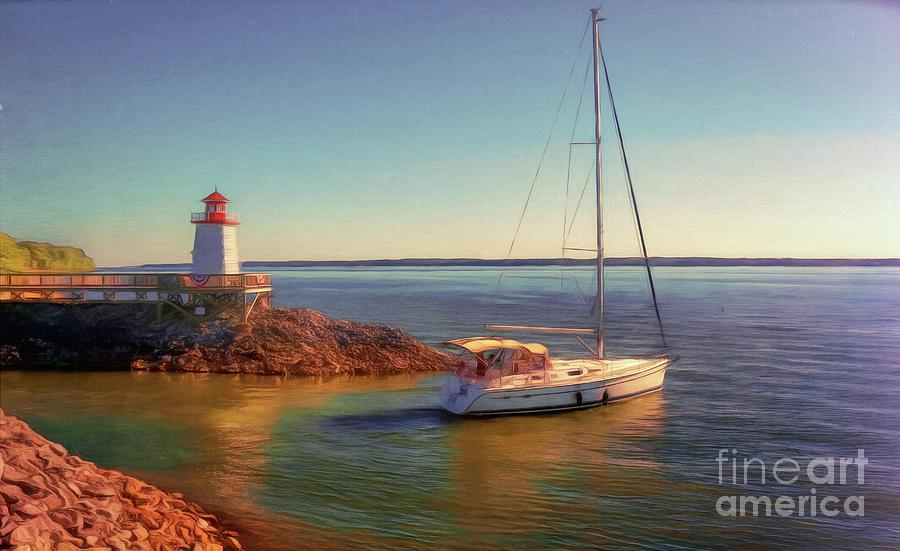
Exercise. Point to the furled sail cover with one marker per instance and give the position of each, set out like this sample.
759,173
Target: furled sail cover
476,345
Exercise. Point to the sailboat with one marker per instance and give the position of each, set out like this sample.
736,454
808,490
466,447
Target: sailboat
500,376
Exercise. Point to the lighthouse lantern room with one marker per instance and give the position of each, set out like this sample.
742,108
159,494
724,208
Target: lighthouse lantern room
215,238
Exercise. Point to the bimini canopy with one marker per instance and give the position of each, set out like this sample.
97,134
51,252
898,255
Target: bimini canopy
477,345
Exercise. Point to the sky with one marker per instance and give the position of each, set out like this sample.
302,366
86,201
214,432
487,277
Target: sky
392,129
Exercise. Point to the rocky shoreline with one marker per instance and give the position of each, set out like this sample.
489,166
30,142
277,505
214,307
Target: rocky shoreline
51,500
275,341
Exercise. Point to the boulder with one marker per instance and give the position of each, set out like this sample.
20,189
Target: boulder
274,341
50,499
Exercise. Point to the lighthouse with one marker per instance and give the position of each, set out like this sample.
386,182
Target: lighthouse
215,237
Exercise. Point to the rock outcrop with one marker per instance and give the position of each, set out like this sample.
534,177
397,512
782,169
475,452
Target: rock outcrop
50,500
33,256
278,341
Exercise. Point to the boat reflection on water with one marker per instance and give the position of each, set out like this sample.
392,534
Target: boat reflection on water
350,464
518,481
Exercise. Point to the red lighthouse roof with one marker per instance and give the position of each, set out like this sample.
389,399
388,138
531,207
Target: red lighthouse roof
216,211
215,197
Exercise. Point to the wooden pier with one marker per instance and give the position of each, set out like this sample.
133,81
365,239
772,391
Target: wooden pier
195,296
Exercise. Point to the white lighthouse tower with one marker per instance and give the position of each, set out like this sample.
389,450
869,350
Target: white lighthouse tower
215,238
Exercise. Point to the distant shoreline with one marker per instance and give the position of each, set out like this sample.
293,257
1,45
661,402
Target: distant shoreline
513,262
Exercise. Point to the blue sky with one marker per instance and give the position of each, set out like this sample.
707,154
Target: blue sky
396,129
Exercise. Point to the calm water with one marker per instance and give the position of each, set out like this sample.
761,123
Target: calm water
776,362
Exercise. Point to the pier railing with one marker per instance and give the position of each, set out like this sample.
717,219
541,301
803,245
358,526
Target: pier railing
135,281
190,294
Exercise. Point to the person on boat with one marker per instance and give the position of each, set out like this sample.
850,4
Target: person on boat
471,367
509,358
480,365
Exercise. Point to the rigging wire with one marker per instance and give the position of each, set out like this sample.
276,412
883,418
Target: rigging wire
587,180
637,216
634,222
546,147
587,70
569,224
566,261
565,229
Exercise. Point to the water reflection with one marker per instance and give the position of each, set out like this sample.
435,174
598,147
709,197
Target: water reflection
526,479
211,436
381,468
774,362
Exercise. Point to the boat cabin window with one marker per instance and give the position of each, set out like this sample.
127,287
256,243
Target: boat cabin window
500,362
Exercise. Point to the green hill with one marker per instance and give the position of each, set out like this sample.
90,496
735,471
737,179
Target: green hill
32,256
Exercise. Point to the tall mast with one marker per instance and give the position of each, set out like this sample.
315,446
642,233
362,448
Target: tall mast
595,20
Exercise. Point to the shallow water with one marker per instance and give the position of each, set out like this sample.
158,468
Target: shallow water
774,362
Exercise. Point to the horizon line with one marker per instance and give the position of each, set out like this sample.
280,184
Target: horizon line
660,260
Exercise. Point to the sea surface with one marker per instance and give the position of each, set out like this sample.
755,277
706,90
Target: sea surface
774,363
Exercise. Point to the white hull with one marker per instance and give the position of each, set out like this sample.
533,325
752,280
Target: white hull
604,382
